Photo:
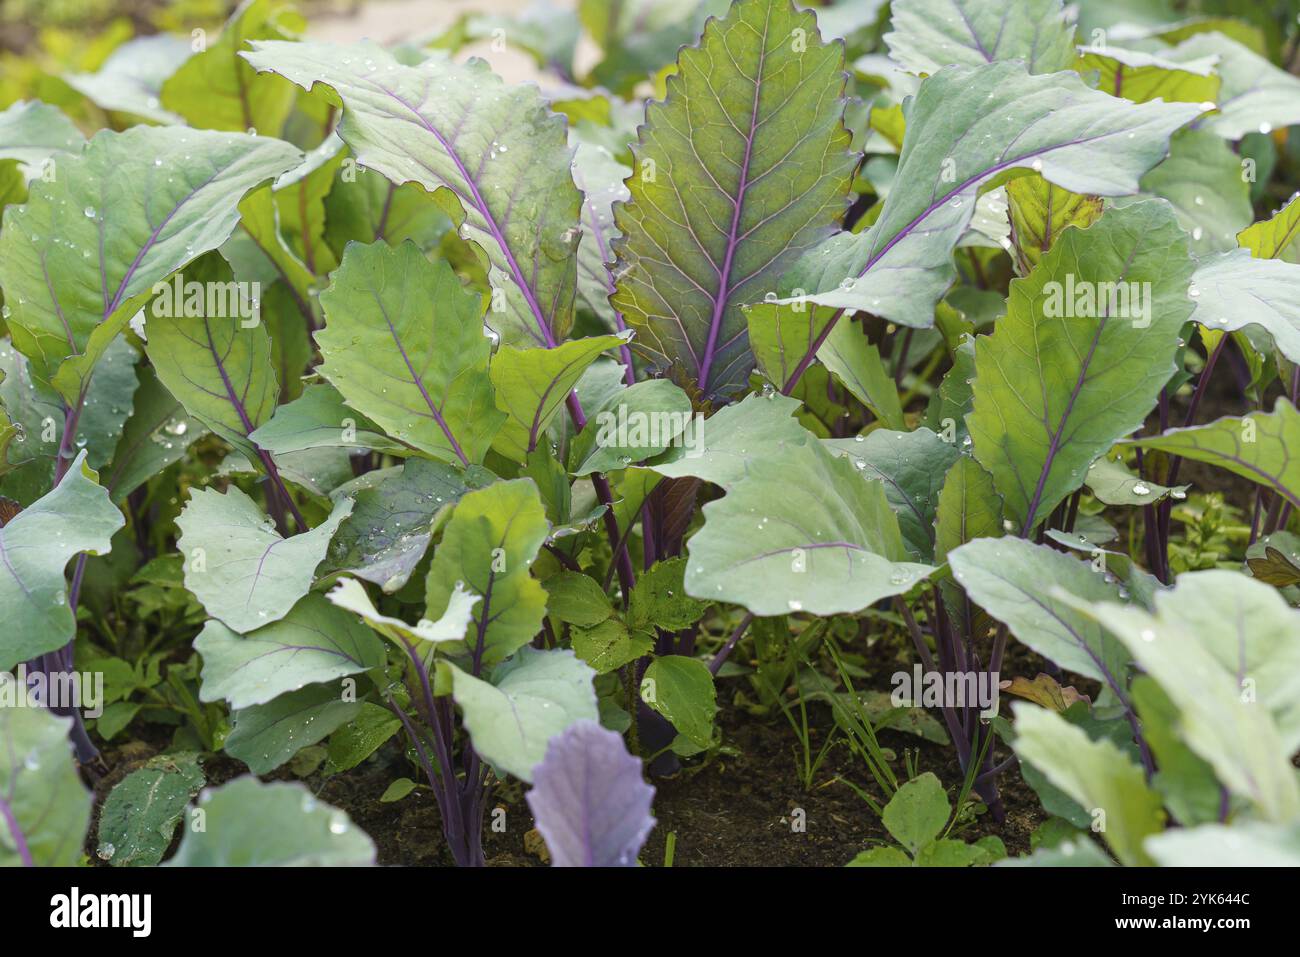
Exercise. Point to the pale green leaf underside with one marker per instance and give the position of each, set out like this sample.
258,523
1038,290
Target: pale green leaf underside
41,794
930,34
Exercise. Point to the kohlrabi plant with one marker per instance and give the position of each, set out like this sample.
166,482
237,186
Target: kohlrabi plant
354,399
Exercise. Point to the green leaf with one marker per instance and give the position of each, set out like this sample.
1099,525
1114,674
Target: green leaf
745,165
364,206
659,598
32,132
157,434
1143,77
1087,343
44,808
1226,650
489,545
1111,483
1277,237
635,424
1234,290
251,824
911,466
1027,587
969,507
1039,212
609,645
35,547
458,126
533,696
917,812
857,364
1243,844
600,178
881,857
1096,774
390,527
681,689
124,214
397,790
1256,446
826,544
1185,781
432,390
927,36
131,79
970,127
320,419
313,643
216,89
236,563
351,596
532,384
735,438
140,814
1079,852
265,736
1203,180
577,599
1255,96
217,366
354,742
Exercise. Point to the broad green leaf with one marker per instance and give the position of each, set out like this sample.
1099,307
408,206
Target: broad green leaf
1226,649
1142,77
157,434
265,736
390,526
319,418
260,249
131,79
857,364
1186,782
458,126
44,807
350,595
967,127
365,206
1242,844
635,424
140,815
1234,290
1027,587
299,197
1111,483
927,35
912,466
1039,211
489,545
390,311
1277,237
236,563
85,251
608,645
577,599
218,90
1077,852
532,384
1203,180
1256,446
35,548
532,697
744,166
917,812
251,824
826,543
32,132
358,740
600,178
733,440
659,599
1096,774
1087,343
881,857
314,643
681,689
1255,95
968,508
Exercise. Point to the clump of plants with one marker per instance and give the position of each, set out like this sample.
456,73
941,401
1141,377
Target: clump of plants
354,397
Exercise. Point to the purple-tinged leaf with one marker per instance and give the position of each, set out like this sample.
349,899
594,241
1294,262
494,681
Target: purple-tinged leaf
589,799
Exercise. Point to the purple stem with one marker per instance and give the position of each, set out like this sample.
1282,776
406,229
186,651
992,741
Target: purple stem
725,651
